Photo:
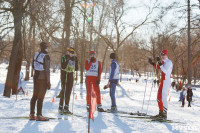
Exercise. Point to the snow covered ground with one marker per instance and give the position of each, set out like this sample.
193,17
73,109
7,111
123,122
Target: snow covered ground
129,98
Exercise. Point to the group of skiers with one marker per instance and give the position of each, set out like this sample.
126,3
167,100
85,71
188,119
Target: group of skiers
186,94
69,64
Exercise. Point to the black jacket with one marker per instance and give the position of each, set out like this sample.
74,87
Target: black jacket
64,62
189,95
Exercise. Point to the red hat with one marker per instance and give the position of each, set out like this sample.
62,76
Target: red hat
164,52
92,52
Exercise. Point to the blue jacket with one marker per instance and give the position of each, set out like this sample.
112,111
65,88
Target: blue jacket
113,68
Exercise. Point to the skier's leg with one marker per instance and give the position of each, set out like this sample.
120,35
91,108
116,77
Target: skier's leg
159,97
69,85
112,93
34,97
98,93
88,87
42,92
165,92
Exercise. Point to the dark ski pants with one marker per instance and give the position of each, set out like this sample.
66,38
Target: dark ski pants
189,103
183,101
112,92
67,88
40,87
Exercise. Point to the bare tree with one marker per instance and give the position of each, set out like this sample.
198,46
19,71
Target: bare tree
117,11
17,8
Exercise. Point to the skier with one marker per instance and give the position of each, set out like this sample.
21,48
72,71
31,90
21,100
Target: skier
113,81
173,84
69,64
154,82
93,77
189,96
41,65
166,67
184,93
20,88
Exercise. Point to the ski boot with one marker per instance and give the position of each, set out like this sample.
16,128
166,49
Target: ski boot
31,117
66,110
164,116
113,109
158,115
99,108
41,118
60,109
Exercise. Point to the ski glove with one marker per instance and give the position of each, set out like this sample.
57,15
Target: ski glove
92,59
98,82
105,87
48,86
159,61
151,62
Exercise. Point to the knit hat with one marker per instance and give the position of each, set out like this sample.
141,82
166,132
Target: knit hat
92,52
164,52
71,50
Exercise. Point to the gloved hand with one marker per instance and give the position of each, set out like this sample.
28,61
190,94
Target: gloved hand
73,58
98,82
105,87
159,61
92,59
48,85
151,62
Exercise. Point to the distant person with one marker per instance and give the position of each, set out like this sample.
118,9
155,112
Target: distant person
166,66
189,96
184,93
41,79
154,82
173,84
20,88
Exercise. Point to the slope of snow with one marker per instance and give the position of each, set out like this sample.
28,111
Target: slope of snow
129,98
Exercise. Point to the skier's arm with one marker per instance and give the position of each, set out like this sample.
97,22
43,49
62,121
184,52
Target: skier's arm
33,63
99,71
87,65
113,67
47,68
166,69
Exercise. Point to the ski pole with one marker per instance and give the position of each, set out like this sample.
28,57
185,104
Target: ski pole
73,98
151,89
144,93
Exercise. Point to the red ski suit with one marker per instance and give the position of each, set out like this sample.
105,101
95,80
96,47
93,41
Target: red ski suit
165,84
92,79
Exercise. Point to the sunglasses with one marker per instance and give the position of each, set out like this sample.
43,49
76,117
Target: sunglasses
92,54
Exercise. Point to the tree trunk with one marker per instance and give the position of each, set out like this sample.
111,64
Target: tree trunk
67,22
28,55
17,53
83,46
104,58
